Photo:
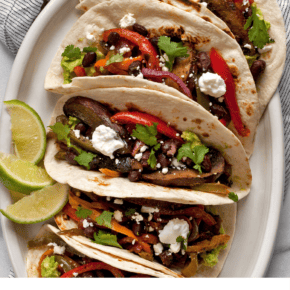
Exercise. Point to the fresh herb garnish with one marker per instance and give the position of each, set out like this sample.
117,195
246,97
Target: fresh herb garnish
130,212
152,159
83,213
62,132
90,49
233,197
185,151
73,121
105,219
172,50
72,52
146,134
115,58
183,241
258,33
104,238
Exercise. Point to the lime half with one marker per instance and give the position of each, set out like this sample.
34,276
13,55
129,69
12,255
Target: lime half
28,132
22,176
41,205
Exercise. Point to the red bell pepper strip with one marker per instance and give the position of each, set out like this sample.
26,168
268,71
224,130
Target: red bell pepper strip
220,67
79,71
71,212
146,119
223,121
144,44
91,267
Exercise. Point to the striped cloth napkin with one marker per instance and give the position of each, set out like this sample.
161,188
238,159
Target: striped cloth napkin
16,17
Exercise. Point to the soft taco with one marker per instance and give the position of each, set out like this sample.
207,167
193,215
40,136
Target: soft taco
121,142
156,46
55,254
262,40
175,239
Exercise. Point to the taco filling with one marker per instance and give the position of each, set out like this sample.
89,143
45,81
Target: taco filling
137,146
202,76
176,235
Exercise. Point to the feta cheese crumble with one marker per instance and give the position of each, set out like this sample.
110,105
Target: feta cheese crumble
143,148
90,29
247,46
112,47
165,170
138,156
57,249
127,20
118,201
77,133
212,84
265,49
148,209
86,224
124,49
158,248
106,141
137,217
118,215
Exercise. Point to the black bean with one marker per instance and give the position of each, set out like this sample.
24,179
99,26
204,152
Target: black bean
82,127
154,42
135,67
134,175
135,51
257,68
94,164
218,110
69,157
140,29
89,59
89,132
164,162
89,232
166,258
113,38
136,228
206,163
203,61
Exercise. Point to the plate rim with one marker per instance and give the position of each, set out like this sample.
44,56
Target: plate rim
277,138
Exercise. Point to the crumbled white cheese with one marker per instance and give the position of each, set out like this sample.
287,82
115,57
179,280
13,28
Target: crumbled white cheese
112,47
124,49
164,68
204,4
176,163
150,217
265,49
221,99
77,133
165,170
75,274
108,198
118,215
86,224
57,249
117,161
173,229
143,148
106,141
190,75
158,165
150,229
158,248
138,156
212,84
177,134
118,201
175,248
148,209
89,31
133,242
245,2
182,76
137,217
127,20
248,46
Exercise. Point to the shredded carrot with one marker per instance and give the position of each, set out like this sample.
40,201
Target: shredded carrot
110,173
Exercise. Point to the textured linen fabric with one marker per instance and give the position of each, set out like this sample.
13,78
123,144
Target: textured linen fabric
16,17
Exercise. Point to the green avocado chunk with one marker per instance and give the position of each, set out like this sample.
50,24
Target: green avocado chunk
210,259
49,268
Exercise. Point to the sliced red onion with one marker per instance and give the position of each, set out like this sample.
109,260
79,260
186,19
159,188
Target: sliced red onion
151,73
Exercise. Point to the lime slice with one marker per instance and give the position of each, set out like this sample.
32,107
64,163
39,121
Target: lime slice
28,132
41,205
22,176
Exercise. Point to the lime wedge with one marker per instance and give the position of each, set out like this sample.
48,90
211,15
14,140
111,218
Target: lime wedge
41,205
28,132
22,176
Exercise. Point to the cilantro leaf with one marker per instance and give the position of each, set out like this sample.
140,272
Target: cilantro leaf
130,212
185,151
152,159
115,58
84,158
83,213
104,238
61,131
146,134
90,49
199,153
233,197
73,121
172,50
105,219
183,241
157,146
258,33
72,52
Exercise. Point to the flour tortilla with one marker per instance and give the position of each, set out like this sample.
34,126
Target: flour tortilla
275,59
182,115
160,18
34,255
227,213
